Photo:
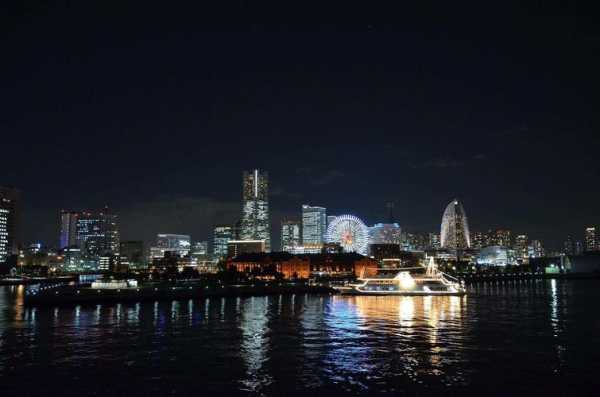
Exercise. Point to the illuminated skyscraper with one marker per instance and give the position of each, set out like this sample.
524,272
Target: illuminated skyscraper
314,224
9,219
98,233
68,228
521,246
290,235
255,207
455,228
591,243
222,235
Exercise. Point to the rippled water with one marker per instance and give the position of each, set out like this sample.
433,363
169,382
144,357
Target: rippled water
502,339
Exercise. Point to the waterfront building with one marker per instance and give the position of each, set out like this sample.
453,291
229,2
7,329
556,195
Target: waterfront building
98,233
521,247
455,228
290,235
385,233
222,235
131,254
314,224
237,247
591,242
255,207
72,259
9,221
178,245
496,255
350,233
68,228
536,250
265,265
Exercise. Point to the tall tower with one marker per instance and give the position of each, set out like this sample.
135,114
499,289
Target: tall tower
455,228
9,220
314,224
590,239
68,228
255,207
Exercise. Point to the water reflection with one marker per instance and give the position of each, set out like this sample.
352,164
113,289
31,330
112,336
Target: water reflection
291,344
255,343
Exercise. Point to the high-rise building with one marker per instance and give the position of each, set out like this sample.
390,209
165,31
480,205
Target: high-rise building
434,241
68,228
478,240
314,224
98,233
9,221
132,254
330,218
569,246
502,237
255,207
222,235
521,247
175,244
536,250
455,228
290,235
591,242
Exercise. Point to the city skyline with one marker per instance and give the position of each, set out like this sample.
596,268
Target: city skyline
69,218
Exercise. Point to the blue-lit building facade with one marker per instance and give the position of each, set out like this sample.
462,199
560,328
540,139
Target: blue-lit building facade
314,225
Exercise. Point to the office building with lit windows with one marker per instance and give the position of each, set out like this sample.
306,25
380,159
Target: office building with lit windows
175,244
255,207
9,220
98,233
591,241
221,236
290,235
314,225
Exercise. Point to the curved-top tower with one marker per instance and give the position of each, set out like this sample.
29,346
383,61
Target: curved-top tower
455,228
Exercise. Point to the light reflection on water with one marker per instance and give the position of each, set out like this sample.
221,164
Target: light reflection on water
498,335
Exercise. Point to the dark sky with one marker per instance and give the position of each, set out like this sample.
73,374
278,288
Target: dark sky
157,111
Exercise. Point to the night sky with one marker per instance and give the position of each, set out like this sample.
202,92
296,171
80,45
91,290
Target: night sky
156,112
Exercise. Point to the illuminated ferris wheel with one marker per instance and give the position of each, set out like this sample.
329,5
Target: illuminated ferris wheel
350,232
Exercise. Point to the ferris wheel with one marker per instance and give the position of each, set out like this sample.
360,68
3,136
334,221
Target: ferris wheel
350,232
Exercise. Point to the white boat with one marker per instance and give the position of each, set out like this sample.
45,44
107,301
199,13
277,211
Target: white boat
406,281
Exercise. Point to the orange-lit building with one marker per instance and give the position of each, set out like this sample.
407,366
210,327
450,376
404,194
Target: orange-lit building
304,265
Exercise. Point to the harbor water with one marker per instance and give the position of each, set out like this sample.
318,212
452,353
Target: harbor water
503,338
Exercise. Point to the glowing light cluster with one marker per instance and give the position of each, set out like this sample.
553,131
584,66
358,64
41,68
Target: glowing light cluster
350,232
